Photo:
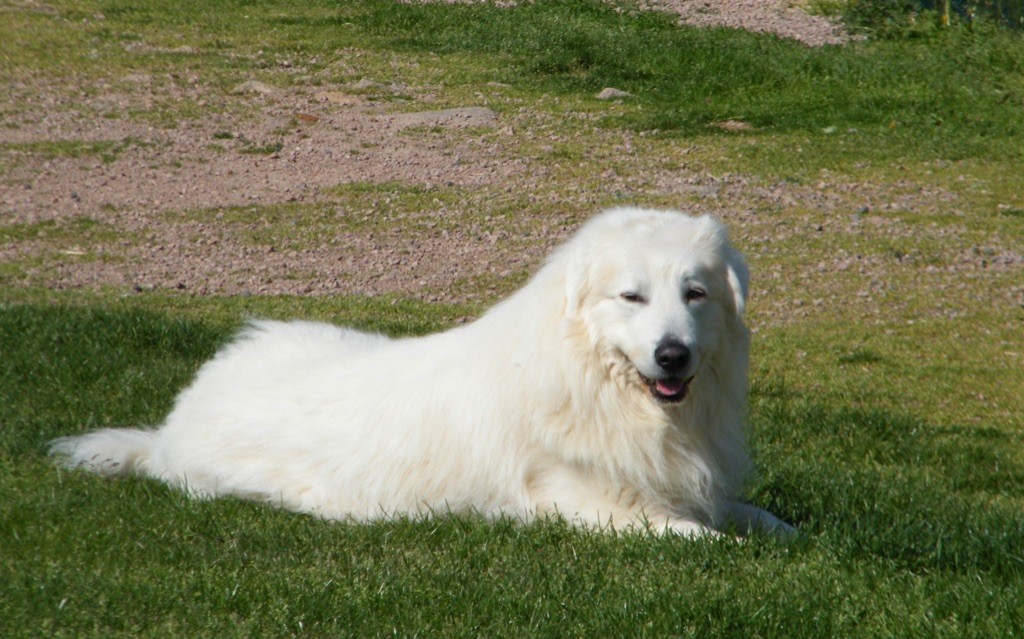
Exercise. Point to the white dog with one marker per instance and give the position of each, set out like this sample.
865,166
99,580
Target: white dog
610,390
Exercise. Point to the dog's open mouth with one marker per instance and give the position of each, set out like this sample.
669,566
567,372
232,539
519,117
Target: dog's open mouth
670,390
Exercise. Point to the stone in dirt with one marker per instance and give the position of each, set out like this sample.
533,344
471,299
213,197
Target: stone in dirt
462,117
733,126
142,47
138,78
254,87
371,85
338,97
610,93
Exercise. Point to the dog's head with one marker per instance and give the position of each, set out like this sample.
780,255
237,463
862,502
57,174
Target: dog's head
657,289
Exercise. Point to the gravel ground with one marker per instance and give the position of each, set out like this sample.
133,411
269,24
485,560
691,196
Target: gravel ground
781,17
785,18
186,207
150,193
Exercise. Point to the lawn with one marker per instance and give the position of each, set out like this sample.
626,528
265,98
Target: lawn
877,194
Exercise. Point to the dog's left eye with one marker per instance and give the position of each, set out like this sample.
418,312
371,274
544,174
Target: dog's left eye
632,298
695,294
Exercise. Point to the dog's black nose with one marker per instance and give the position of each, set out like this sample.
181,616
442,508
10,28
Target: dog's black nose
672,355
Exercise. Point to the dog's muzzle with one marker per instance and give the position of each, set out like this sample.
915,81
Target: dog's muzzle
670,390
673,357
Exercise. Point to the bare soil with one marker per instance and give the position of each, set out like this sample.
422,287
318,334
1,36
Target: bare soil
784,18
184,206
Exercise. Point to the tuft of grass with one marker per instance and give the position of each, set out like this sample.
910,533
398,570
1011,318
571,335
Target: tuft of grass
78,230
255,148
107,150
923,18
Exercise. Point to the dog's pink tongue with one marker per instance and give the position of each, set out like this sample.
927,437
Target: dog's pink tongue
670,386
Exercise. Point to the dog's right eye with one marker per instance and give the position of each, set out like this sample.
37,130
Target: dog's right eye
632,298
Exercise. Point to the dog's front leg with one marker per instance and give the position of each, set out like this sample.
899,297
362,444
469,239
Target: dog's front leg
622,519
747,518
591,502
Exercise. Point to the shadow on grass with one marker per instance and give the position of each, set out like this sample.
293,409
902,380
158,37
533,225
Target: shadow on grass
873,483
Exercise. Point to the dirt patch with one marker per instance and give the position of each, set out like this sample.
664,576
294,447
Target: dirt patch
783,18
283,147
328,189
375,188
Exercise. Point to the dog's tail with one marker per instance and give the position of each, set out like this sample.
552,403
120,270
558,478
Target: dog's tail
111,451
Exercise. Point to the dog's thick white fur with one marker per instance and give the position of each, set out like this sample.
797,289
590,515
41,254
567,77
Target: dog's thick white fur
610,390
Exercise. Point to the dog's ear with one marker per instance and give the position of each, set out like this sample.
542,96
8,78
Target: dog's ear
576,278
738,277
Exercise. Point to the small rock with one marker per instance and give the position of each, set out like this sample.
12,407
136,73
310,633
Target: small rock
337,97
254,87
368,84
142,47
139,78
609,93
372,86
733,126
462,117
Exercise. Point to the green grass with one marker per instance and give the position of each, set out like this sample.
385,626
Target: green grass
908,528
78,229
107,150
